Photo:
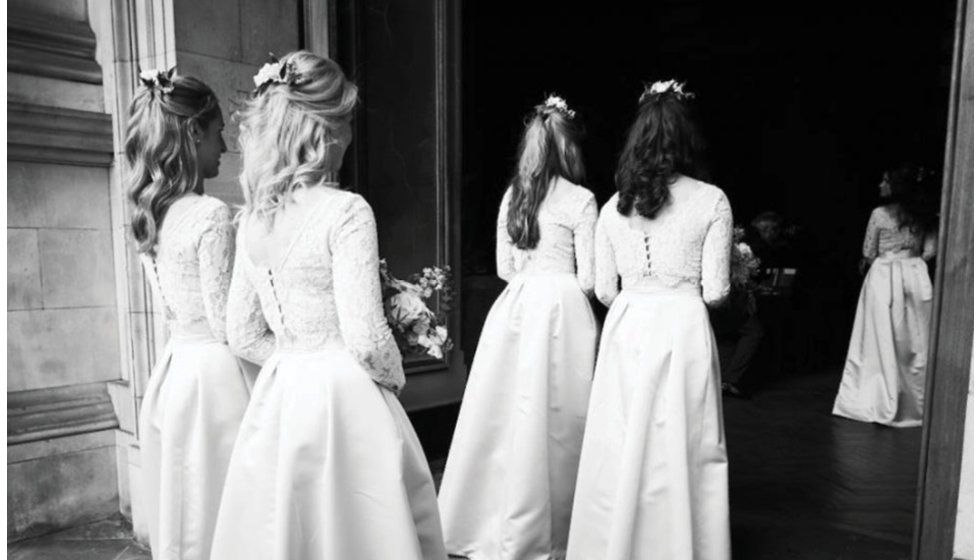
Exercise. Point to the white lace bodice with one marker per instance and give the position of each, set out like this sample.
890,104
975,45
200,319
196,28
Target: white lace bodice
566,221
687,246
885,237
325,290
192,267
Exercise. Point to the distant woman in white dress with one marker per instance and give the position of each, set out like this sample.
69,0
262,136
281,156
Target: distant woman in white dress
507,489
653,481
197,393
326,465
884,375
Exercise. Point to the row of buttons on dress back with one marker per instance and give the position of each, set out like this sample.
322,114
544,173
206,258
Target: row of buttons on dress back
648,271
275,295
167,310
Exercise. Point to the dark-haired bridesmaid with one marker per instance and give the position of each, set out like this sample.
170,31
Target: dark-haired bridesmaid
653,481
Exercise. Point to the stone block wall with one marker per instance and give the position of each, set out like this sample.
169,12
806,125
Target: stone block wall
63,342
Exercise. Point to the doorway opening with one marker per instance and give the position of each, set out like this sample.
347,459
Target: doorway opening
802,111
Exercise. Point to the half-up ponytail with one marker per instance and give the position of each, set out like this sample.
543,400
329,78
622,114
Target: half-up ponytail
291,129
548,150
160,149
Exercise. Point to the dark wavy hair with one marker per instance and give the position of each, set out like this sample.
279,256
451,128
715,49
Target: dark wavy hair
663,142
915,193
160,149
549,149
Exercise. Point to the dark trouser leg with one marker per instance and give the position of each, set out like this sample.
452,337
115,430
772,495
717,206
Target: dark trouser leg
750,338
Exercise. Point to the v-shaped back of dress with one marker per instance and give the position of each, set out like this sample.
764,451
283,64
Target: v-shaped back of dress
325,292
297,293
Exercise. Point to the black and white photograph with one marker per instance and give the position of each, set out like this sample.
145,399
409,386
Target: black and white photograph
470,280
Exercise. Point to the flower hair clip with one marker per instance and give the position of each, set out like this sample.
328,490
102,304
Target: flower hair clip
672,87
275,72
559,104
160,80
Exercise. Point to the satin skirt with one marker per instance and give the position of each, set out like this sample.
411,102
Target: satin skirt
189,419
884,375
326,467
509,481
653,480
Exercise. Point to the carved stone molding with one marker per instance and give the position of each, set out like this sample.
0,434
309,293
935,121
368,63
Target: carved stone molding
42,45
57,135
58,412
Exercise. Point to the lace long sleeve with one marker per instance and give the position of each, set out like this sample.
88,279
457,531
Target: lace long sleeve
606,275
584,235
505,247
357,288
215,257
249,335
716,255
870,247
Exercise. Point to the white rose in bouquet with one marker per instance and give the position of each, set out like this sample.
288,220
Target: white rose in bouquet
407,308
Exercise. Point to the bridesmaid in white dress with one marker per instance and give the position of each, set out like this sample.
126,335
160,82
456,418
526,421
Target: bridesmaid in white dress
653,481
884,376
507,489
326,465
197,393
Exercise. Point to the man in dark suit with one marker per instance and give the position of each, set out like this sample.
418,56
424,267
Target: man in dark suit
737,324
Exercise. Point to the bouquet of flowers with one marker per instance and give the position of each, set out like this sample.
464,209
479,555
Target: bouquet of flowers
745,265
418,329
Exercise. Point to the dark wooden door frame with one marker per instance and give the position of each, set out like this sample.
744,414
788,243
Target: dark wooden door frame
333,28
951,336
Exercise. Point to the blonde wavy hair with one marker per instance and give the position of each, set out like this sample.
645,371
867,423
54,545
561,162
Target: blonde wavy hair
287,130
160,149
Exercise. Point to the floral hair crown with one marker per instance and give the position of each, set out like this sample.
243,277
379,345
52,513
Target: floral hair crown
672,87
160,80
559,104
275,72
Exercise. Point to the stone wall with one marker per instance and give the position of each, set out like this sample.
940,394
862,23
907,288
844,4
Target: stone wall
62,316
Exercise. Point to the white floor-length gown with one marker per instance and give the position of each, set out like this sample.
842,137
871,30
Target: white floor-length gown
197,392
884,375
326,465
507,489
653,481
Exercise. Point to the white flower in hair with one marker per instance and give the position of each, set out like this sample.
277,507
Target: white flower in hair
158,79
275,72
669,86
558,103
149,75
270,72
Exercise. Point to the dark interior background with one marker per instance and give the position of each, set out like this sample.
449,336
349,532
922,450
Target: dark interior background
803,106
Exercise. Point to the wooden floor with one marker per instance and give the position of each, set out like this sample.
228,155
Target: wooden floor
807,485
